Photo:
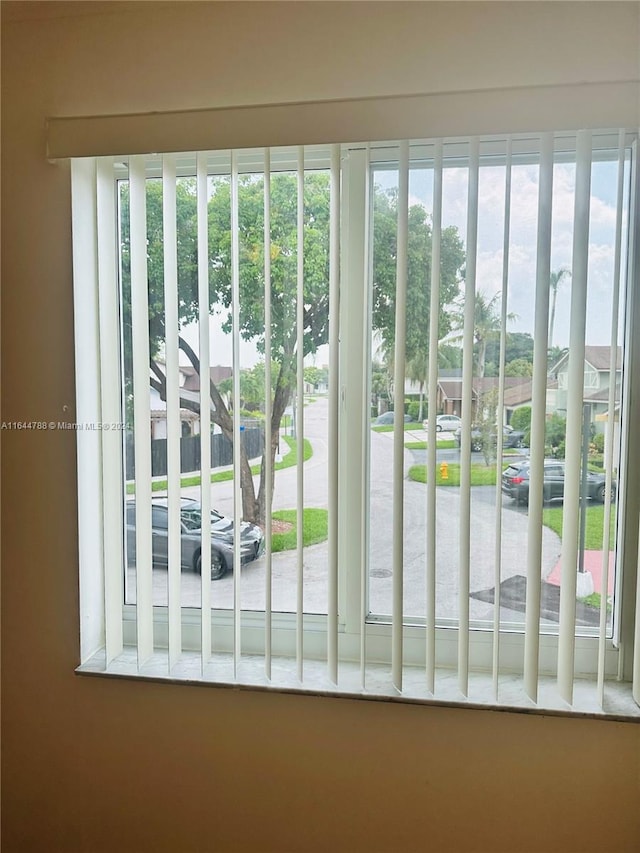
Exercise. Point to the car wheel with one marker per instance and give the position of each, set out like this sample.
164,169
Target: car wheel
218,565
518,443
602,493
476,446
438,428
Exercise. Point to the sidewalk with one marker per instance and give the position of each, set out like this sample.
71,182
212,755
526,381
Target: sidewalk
593,564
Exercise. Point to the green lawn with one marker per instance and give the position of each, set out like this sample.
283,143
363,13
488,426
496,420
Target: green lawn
552,517
315,525
288,460
481,475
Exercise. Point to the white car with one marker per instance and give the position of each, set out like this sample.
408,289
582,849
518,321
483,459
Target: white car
445,423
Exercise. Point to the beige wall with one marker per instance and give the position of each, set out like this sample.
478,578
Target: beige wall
100,765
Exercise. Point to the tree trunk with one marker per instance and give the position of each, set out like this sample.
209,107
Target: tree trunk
281,398
223,418
552,318
253,507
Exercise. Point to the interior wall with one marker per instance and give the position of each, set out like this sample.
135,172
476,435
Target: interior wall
97,765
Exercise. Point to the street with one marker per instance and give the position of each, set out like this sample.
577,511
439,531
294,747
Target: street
284,564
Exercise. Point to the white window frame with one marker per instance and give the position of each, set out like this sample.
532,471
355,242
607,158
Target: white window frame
355,631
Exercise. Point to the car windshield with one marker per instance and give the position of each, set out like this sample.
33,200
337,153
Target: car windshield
192,517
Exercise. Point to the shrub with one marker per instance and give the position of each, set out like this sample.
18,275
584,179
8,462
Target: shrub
598,442
521,419
413,410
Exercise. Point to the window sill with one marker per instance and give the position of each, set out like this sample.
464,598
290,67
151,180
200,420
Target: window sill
219,672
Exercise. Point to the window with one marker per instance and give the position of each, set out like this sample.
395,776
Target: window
324,287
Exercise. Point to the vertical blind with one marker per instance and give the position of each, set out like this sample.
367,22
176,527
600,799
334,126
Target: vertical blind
570,194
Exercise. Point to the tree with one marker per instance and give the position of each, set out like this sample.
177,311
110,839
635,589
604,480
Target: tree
554,354
517,345
315,375
283,254
385,204
417,371
283,287
486,326
518,367
555,280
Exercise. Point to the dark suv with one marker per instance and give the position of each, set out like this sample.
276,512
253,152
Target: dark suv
515,482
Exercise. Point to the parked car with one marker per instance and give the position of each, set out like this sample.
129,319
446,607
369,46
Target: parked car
515,482
445,423
387,418
251,537
510,437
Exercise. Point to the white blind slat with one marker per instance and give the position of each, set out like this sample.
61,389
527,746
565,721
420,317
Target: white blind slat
141,406
467,418
610,429
434,323
570,521
300,416
398,425
170,242
495,663
334,391
237,493
538,418
111,414
202,199
268,469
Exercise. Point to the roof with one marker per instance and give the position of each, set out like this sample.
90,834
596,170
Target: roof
218,373
519,394
598,357
451,389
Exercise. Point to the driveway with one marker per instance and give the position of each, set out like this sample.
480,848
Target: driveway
284,565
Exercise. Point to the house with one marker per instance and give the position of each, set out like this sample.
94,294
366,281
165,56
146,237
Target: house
102,765
517,392
597,382
189,381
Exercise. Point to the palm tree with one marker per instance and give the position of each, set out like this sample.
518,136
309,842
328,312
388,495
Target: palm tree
417,370
555,279
486,325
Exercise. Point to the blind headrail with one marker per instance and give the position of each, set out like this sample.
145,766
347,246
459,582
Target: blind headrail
417,116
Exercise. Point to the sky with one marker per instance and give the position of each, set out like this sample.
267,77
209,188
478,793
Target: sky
523,236
522,245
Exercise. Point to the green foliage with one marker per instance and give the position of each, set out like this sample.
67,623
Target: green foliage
555,431
598,442
521,418
449,356
486,424
385,205
554,354
413,410
316,376
251,223
315,528
519,345
486,325
518,367
252,385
